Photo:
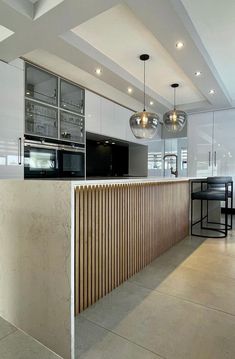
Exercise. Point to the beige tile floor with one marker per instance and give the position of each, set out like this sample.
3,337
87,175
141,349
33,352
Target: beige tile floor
14,344
182,306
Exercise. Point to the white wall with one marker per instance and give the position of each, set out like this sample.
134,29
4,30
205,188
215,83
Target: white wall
35,260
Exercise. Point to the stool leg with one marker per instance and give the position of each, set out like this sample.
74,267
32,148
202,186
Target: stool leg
201,213
226,210
191,216
231,205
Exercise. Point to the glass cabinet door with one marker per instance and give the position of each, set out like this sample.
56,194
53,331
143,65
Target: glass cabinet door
41,120
71,127
71,97
41,85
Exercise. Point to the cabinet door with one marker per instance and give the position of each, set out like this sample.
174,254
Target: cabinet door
121,119
107,118
41,85
71,127
71,97
11,121
129,134
93,112
224,144
200,151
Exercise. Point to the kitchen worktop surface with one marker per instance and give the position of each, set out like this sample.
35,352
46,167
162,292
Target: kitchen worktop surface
125,180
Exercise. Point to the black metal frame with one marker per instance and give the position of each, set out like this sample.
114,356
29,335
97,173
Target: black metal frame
226,225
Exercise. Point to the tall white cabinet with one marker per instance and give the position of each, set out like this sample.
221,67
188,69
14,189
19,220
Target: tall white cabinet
211,144
200,145
224,143
11,120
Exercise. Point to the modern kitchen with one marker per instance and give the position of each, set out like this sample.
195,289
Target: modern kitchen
116,179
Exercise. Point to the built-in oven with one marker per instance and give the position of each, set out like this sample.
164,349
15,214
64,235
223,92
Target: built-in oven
53,160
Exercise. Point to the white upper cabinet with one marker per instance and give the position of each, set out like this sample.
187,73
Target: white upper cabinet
129,134
121,121
93,112
200,145
224,143
11,121
107,117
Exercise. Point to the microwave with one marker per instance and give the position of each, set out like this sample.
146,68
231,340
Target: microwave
52,160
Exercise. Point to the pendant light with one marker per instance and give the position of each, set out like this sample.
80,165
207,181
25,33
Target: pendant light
174,120
144,124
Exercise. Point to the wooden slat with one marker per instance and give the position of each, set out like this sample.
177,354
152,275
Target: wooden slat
121,228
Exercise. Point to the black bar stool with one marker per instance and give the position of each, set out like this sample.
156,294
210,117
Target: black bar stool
213,189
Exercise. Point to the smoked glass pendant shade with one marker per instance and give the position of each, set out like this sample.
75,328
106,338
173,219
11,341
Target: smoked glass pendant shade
174,120
144,124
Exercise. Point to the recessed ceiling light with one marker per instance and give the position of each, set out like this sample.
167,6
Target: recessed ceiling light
197,73
98,71
212,92
5,33
106,141
27,93
130,90
113,143
179,45
151,103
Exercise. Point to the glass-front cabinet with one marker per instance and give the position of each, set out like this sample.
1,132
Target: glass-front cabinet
71,127
41,120
54,108
41,85
71,97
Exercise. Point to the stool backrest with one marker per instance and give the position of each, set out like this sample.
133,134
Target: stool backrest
219,180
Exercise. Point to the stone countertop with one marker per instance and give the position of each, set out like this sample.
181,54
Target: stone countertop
91,182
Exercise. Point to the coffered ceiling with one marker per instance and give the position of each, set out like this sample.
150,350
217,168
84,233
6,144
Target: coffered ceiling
74,37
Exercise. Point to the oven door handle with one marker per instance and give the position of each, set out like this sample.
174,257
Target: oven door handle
79,150
42,146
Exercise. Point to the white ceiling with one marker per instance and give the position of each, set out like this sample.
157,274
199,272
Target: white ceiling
215,24
127,38
73,37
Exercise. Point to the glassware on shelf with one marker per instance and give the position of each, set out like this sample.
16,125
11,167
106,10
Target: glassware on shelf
41,120
71,127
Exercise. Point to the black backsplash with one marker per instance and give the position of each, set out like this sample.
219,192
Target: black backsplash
106,160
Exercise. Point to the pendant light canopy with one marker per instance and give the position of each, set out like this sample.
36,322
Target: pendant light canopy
144,124
175,120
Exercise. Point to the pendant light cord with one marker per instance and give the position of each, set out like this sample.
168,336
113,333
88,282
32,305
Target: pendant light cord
144,86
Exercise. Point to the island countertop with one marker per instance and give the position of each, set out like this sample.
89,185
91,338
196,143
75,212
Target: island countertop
126,180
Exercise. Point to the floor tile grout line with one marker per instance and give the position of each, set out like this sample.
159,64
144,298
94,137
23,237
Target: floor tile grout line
119,335
185,299
7,335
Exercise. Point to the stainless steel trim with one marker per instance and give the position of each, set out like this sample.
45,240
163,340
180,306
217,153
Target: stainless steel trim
209,158
53,146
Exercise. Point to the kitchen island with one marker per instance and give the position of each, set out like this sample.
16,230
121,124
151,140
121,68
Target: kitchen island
75,241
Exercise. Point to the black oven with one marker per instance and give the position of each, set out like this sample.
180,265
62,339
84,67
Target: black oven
71,163
52,160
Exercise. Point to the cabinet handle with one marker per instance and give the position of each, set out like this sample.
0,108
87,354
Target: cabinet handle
215,158
209,158
19,150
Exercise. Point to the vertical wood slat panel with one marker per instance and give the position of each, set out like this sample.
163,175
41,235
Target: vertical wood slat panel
121,228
